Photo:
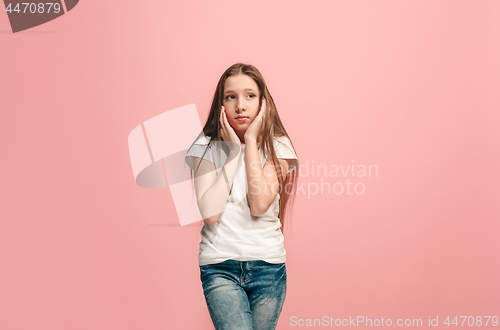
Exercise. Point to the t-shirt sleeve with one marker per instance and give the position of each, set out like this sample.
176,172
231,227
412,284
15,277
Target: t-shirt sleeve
198,150
284,149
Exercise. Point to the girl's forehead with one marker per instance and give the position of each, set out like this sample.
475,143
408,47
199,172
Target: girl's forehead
240,81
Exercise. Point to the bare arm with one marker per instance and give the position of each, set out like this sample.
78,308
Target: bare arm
212,191
263,184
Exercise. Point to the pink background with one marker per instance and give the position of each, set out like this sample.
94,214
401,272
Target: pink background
410,86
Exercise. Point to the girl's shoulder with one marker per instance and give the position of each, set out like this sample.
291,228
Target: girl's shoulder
281,142
284,149
202,139
283,139
199,149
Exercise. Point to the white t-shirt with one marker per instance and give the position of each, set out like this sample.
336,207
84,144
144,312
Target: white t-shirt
237,234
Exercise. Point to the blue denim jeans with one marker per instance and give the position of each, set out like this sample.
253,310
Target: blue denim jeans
244,295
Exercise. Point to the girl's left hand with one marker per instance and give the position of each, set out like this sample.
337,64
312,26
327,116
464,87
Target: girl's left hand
256,127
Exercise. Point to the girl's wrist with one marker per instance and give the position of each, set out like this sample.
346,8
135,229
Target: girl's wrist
250,139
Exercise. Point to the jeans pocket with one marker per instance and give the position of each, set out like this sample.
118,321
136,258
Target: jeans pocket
274,265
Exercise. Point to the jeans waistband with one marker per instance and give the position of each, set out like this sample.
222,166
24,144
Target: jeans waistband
248,263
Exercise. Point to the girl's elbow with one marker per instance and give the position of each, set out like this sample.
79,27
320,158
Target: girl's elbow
258,211
255,214
212,220
209,221
255,210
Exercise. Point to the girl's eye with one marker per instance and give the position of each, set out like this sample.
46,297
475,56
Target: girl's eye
228,97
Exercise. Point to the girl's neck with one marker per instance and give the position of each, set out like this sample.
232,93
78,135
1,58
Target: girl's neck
242,138
259,140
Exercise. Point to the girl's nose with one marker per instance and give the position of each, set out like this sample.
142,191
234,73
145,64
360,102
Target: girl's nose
240,106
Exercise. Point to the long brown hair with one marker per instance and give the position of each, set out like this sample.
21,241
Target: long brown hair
273,127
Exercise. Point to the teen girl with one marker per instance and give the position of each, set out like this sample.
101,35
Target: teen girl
243,165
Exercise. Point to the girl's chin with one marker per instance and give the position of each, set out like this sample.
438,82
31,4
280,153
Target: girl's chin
241,125
240,129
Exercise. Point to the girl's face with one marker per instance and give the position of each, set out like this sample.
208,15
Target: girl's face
241,98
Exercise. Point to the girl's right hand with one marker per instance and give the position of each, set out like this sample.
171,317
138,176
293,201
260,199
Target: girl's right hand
227,132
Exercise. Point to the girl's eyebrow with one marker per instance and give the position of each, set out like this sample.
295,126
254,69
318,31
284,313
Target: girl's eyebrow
247,89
